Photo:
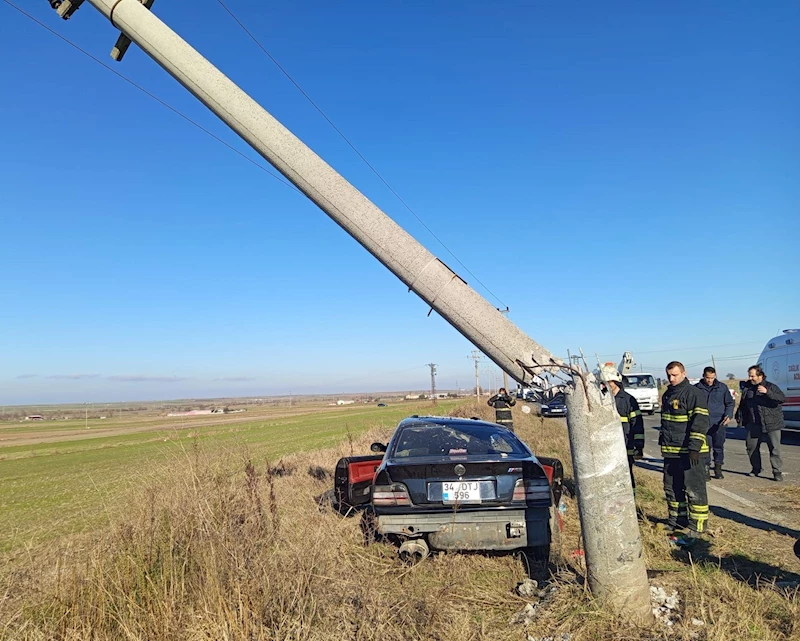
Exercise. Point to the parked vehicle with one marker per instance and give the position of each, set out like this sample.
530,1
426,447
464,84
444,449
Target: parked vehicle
455,484
556,407
780,360
642,386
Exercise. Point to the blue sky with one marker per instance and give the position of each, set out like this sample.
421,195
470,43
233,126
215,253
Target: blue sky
622,176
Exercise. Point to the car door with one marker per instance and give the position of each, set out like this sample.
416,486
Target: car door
353,481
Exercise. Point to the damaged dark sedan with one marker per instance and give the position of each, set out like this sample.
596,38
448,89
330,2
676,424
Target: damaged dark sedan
455,484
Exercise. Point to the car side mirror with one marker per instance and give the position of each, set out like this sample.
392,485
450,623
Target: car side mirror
377,447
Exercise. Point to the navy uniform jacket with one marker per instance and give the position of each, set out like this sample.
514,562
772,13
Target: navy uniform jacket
632,423
684,420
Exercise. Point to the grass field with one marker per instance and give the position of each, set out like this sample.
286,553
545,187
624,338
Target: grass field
74,483
206,540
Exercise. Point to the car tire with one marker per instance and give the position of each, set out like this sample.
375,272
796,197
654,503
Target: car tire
538,559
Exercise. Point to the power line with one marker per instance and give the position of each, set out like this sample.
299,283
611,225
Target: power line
683,349
353,147
153,96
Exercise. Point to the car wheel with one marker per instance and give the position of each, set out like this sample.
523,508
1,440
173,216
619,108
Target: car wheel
539,558
650,412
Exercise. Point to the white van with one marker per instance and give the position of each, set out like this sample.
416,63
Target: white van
643,388
780,361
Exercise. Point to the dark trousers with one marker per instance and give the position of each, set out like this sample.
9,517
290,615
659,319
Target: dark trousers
503,417
685,489
716,436
755,437
630,467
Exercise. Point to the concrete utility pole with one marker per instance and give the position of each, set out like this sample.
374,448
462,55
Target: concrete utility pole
433,381
612,543
475,355
504,312
618,578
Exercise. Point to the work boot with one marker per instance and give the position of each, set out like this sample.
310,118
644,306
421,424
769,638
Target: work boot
754,473
718,471
708,474
778,476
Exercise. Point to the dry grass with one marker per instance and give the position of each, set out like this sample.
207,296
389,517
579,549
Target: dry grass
233,548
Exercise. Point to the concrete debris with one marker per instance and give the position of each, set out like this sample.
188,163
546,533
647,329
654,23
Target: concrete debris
698,622
564,636
665,607
527,588
526,616
530,590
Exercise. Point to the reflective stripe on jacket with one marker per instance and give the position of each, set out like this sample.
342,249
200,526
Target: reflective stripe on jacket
501,402
684,420
632,424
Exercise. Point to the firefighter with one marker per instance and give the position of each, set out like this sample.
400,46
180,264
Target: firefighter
684,424
502,404
629,415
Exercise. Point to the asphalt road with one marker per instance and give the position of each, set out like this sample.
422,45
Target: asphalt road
752,498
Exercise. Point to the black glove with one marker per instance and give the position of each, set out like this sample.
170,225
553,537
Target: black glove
694,457
638,455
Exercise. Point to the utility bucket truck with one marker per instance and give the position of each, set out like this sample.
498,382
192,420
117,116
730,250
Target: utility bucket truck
641,385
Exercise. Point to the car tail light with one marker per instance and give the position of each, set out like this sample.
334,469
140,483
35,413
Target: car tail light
387,495
531,490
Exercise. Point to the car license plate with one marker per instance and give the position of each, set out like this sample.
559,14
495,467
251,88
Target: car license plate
461,492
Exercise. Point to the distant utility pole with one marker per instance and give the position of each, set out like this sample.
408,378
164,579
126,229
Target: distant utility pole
713,363
475,355
433,381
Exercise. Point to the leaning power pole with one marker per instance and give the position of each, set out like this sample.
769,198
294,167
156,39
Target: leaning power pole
614,559
433,381
504,312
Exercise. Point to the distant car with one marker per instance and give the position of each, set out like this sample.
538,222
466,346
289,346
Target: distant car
454,484
556,407
381,404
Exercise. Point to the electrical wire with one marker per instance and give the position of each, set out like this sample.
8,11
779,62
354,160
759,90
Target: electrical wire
353,147
153,96
683,349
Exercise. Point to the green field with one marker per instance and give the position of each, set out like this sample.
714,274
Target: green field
75,482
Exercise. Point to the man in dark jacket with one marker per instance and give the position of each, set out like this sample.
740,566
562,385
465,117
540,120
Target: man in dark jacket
684,423
761,414
720,412
502,404
629,415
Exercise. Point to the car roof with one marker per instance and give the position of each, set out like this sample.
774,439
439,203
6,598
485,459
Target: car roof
446,420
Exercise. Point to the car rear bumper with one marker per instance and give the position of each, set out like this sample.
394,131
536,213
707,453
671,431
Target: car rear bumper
474,530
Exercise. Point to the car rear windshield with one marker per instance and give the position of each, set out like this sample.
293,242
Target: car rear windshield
636,380
416,441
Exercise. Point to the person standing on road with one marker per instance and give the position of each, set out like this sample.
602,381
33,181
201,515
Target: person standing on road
629,414
720,412
502,404
684,424
761,414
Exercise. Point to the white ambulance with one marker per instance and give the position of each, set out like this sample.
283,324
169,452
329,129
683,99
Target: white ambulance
780,361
